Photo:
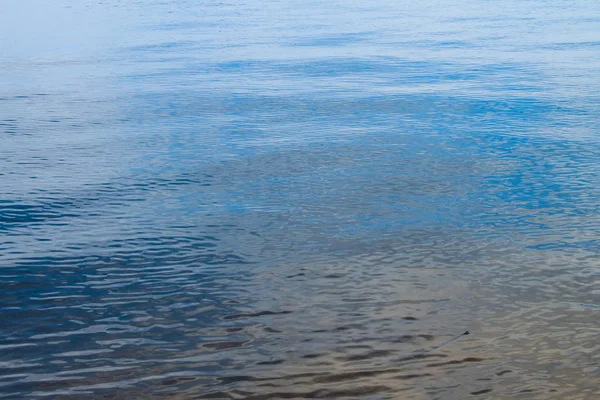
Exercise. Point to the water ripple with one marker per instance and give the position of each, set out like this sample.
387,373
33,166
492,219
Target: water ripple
299,200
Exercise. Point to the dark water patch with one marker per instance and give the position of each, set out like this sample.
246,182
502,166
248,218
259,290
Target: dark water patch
13,214
312,355
316,394
274,362
480,392
257,314
93,200
421,356
350,376
224,345
457,362
248,378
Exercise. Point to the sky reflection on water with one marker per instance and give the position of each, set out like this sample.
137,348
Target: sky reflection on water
299,200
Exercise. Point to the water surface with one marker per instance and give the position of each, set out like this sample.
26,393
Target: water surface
299,199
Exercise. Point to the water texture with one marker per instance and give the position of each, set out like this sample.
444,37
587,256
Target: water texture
300,199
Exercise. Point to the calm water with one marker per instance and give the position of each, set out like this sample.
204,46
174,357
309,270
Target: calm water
292,199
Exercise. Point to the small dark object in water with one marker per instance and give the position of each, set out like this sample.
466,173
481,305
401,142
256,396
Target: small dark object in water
451,340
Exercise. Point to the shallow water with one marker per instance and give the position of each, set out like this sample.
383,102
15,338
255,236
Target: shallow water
299,199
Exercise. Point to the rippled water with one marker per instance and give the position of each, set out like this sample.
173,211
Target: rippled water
290,199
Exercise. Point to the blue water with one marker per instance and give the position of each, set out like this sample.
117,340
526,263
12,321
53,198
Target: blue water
286,199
